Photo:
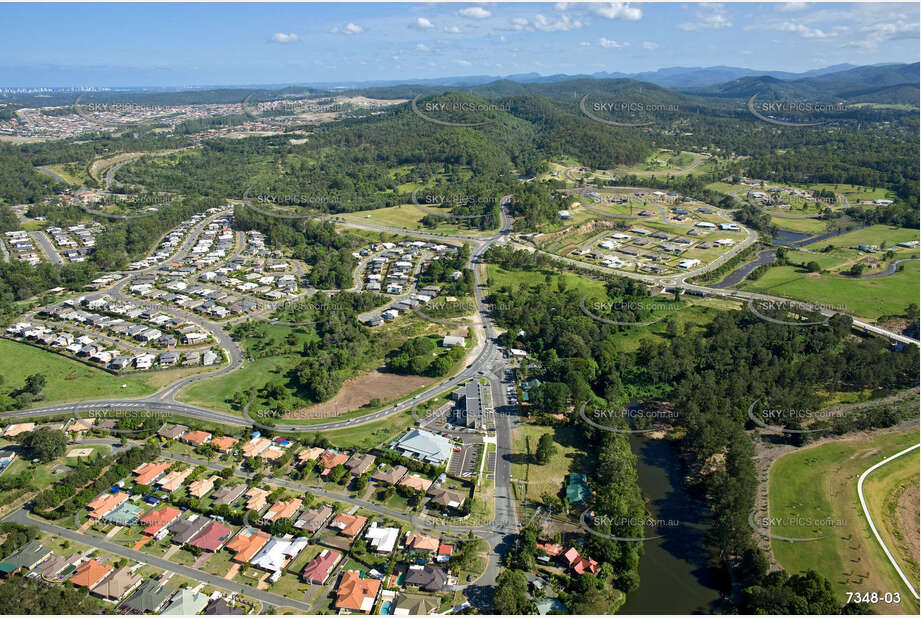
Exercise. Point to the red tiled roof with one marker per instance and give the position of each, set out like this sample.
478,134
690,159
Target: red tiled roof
157,520
318,569
355,593
211,537
90,573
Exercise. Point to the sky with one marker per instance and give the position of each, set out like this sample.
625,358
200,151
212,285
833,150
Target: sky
172,44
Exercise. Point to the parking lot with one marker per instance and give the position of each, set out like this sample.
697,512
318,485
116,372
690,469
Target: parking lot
464,463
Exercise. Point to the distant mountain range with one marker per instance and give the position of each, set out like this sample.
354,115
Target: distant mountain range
881,83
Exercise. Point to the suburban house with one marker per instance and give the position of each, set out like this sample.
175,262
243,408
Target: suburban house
149,472
313,520
228,494
348,525
431,577
356,594
409,604
196,438
445,497
256,499
201,487
224,443
421,542
157,521
247,544
120,583
578,563
416,482
211,536
391,477
90,573
383,540
318,570
183,530
148,598
358,464
282,509
105,504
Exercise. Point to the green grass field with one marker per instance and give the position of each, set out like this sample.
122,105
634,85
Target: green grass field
868,298
805,226
409,216
67,380
883,489
547,478
499,277
874,235
813,493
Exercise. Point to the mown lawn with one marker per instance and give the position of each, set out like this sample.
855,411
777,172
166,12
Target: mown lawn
813,493
66,380
867,298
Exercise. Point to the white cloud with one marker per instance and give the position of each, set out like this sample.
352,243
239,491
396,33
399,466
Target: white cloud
422,23
542,23
465,63
805,31
422,47
562,6
876,34
452,29
617,10
281,37
474,12
650,45
893,31
348,29
564,24
789,7
711,18
585,44
609,44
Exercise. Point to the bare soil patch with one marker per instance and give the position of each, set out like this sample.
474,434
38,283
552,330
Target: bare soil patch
360,390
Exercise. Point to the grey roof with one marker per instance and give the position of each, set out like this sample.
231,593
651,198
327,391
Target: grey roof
417,604
220,607
184,529
228,494
431,577
148,598
186,603
425,445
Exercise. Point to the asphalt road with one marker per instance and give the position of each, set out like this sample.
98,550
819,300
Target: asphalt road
22,517
42,239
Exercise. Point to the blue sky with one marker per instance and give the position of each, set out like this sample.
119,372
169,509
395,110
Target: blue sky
116,44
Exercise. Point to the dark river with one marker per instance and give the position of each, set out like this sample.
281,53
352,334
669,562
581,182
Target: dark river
674,578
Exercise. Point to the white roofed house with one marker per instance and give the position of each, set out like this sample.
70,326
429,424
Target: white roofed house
383,540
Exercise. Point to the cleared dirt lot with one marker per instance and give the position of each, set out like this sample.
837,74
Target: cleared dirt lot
358,391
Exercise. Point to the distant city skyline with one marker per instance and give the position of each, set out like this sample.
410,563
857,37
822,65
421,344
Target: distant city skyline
210,44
